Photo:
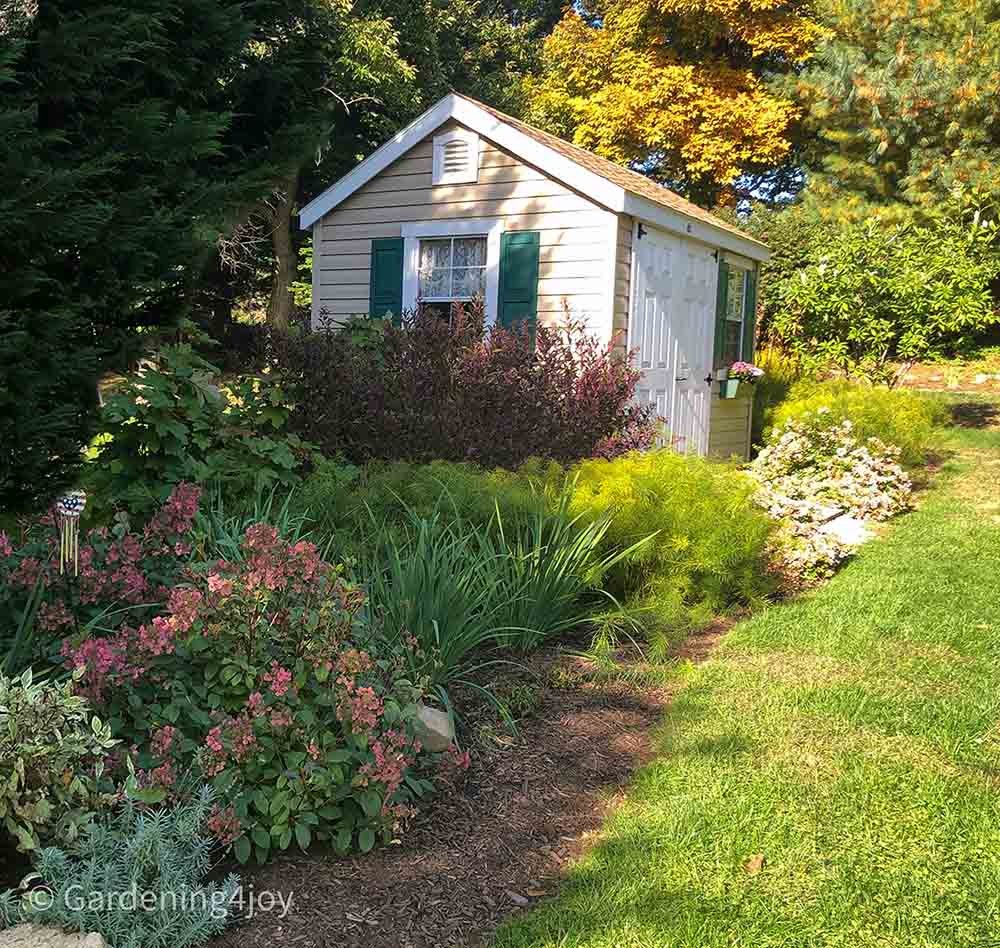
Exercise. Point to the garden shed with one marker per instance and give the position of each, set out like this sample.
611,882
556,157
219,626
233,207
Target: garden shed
466,201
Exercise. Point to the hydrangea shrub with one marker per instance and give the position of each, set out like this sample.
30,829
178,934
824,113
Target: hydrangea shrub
265,673
124,573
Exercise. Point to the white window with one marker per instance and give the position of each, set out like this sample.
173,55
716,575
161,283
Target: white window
736,304
446,261
451,269
456,158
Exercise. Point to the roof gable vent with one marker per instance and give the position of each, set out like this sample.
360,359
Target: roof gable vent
456,158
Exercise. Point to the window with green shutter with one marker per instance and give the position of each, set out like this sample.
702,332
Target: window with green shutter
385,287
735,314
518,278
749,317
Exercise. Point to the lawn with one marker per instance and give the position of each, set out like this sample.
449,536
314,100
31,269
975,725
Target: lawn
830,777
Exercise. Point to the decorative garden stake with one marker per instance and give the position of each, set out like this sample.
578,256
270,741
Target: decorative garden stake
68,510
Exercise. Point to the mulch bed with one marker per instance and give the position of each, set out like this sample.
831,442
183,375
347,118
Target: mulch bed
528,807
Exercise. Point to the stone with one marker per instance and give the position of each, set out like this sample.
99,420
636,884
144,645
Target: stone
848,530
434,728
824,513
37,936
980,378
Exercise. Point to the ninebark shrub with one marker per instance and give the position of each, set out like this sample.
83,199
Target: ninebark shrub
450,389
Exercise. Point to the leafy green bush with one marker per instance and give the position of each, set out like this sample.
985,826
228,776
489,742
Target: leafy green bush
895,416
709,551
51,758
161,858
873,296
171,422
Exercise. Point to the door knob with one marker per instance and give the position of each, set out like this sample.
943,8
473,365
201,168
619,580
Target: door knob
709,380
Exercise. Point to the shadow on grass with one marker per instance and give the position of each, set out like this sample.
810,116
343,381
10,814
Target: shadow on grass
975,414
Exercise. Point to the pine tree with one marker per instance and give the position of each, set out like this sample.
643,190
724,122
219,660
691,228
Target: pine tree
128,150
903,103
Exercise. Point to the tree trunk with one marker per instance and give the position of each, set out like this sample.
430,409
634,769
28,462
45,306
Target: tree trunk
279,308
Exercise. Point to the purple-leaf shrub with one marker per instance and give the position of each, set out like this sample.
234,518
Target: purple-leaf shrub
437,389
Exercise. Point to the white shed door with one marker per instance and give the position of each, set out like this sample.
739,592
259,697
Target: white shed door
672,329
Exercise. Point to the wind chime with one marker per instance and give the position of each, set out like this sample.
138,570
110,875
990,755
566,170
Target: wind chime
68,510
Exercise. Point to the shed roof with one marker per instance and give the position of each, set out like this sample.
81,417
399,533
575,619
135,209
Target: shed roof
618,174
618,188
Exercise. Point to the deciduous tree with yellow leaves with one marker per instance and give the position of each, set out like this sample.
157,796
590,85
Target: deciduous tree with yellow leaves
676,88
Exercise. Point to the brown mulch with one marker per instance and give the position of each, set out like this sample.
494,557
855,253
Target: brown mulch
529,806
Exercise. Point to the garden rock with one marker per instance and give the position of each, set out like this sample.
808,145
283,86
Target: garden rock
434,728
826,512
848,530
35,936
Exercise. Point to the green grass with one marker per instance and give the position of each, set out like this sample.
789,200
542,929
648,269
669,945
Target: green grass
850,738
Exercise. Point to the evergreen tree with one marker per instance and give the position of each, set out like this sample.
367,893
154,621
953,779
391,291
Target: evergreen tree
129,149
903,103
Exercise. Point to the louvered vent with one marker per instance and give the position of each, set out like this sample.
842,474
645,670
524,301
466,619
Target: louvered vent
456,157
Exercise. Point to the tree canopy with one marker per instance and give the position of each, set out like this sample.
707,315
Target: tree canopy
677,90
136,137
902,105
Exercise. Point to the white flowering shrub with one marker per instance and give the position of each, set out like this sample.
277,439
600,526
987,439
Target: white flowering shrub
814,469
809,556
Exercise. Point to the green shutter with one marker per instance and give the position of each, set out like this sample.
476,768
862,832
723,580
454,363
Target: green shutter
720,311
385,287
749,317
518,278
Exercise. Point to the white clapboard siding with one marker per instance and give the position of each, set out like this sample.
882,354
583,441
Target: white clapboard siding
494,192
623,279
573,231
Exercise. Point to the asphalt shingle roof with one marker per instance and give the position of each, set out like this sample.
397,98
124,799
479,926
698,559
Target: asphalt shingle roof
624,177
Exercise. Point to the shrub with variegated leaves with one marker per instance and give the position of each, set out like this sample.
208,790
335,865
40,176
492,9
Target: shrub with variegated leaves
814,469
52,754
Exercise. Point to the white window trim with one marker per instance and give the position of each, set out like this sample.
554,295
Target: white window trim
740,265
490,228
470,175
